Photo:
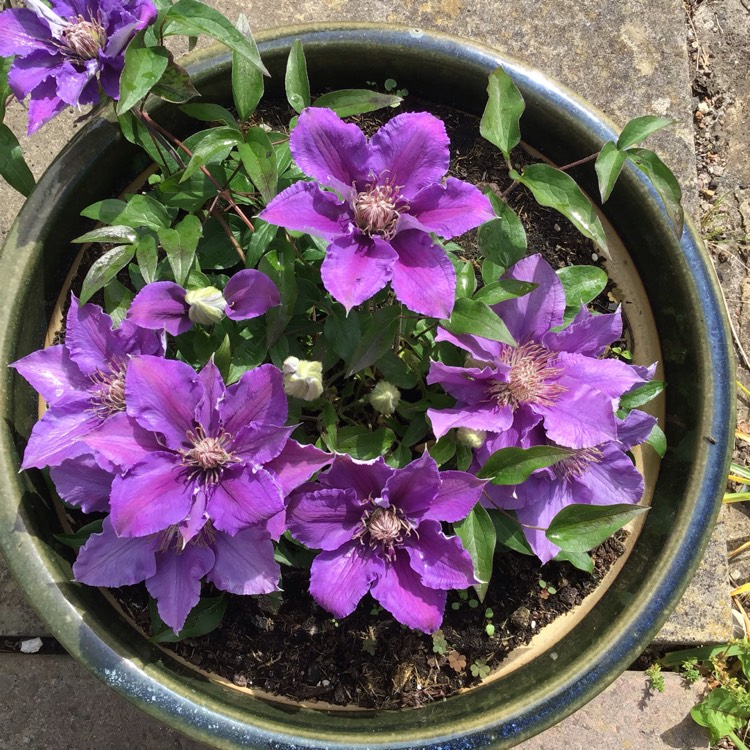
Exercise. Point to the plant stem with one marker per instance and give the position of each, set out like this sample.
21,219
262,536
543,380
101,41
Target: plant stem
579,162
737,741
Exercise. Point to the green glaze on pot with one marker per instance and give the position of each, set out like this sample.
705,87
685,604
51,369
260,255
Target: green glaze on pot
698,365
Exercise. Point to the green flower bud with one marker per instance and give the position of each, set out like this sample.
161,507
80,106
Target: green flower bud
206,305
303,379
385,397
471,438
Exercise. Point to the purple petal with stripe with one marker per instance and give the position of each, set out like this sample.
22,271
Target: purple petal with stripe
413,487
53,374
296,464
244,563
161,306
366,478
258,396
588,333
410,151
325,519
423,276
82,482
250,293
609,376
440,561
121,440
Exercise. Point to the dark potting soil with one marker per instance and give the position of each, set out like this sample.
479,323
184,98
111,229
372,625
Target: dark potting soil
287,645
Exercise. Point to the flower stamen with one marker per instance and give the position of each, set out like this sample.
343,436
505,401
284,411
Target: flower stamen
385,528
109,389
532,367
377,209
84,39
577,464
209,455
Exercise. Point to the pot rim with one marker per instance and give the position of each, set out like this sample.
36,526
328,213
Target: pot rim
180,699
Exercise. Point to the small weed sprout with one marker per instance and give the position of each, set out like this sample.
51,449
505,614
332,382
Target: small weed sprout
656,678
480,669
439,644
457,662
690,671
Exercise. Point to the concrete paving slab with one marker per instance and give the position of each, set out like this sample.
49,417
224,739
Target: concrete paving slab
17,617
51,702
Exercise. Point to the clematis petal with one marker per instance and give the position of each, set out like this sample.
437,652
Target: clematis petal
330,150
53,374
44,105
410,151
356,267
244,498
161,306
73,82
400,590
176,585
468,384
531,316
450,209
555,496
423,276
207,413
324,519
458,493
580,417
122,441
366,478
30,71
58,435
260,443
110,560
162,395
152,496
250,293
340,578
635,428
296,464
244,563
588,334
304,207
258,396
487,416
89,337
82,482
22,33
440,561
413,487
609,376
480,349
612,479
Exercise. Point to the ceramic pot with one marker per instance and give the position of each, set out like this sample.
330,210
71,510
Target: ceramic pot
689,321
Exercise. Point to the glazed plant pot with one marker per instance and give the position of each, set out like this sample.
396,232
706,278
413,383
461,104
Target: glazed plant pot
680,289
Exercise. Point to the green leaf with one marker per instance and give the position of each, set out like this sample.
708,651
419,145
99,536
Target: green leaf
114,233
443,450
347,102
658,441
259,160
377,339
144,66
175,85
192,18
579,528
582,284
5,92
296,81
363,444
342,332
641,395
190,194
260,239
292,553
136,132
117,299
500,121
214,146
721,713
580,560
203,618
509,532
147,256
515,465
476,318
278,263
639,128
77,539
209,113
105,269
502,240
223,357
499,291
664,182
608,167
559,190
396,371
180,245
13,167
477,534
138,211
466,280
247,80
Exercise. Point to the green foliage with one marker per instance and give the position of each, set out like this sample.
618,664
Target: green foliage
347,102
296,81
77,539
515,465
477,534
203,618
13,167
247,78
502,240
476,318
500,123
656,678
144,66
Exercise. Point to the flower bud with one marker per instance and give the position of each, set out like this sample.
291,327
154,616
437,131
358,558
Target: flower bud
303,379
206,305
471,438
385,397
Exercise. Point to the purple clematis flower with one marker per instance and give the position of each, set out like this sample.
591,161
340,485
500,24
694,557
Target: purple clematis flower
551,377
391,198
379,529
63,53
166,305
173,570
192,450
82,381
598,475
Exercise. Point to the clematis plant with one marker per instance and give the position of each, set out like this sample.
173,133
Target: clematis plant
289,348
